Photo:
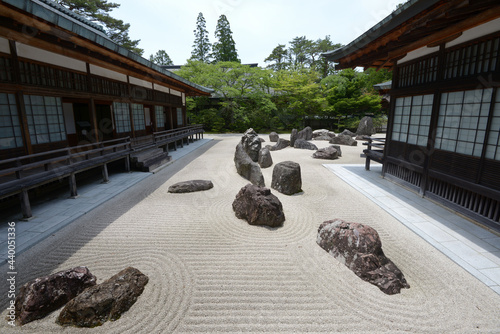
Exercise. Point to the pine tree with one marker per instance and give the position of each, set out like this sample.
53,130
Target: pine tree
225,48
97,11
201,46
161,57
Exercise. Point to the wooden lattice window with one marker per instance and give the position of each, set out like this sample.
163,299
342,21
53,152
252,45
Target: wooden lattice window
138,115
45,119
122,117
10,128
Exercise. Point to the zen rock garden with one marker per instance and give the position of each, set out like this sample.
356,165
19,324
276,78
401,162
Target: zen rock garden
356,245
86,304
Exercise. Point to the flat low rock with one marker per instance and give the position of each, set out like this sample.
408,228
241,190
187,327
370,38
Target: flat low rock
190,186
281,144
258,206
359,247
106,301
38,298
304,144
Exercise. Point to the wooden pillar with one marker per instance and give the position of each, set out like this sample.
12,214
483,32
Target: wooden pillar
72,186
127,163
25,204
105,175
93,118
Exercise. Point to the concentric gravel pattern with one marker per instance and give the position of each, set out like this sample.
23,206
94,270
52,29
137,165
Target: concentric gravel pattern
210,272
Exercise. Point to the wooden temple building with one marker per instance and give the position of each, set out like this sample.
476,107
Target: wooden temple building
71,99
444,124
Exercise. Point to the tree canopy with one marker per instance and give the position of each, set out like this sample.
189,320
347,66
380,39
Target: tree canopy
224,49
98,11
201,45
161,57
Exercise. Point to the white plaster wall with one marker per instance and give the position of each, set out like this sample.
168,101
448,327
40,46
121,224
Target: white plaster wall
141,83
174,92
418,53
161,88
476,32
30,52
104,72
4,45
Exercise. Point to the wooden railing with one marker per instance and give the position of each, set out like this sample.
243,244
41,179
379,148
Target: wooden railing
18,175
374,150
164,138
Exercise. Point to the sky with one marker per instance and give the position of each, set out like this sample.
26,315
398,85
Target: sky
258,26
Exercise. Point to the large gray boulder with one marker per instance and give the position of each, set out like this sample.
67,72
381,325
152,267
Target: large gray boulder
38,298
358,246
273,137
304,144
106,301
246,167
190,186
281,144
329,153
258,206
365,127
342,139
305,133
338,148
251,143
265,159
287,178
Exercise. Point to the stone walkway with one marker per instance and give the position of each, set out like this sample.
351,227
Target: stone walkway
472,247
53,215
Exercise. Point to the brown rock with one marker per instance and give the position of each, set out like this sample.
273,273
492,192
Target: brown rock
258,206
359,247
38,298
106,301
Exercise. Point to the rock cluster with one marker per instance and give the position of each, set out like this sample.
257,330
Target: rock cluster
258,206
38,298
106,301
190,186
358,246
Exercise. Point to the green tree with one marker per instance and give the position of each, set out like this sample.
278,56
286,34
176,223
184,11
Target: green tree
241,97
279,57
98,11
161,57
201,46
348,97
225,47
297,95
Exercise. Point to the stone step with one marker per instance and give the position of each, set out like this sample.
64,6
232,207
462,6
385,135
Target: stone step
149,160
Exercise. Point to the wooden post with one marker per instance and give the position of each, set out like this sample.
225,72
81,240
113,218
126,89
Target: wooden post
127,163
368,148
25,205
105,175
72,186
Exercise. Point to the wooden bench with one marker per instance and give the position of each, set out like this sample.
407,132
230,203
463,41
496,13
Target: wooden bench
18,175
376,154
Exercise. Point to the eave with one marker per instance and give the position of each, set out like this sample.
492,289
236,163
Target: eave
415,25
